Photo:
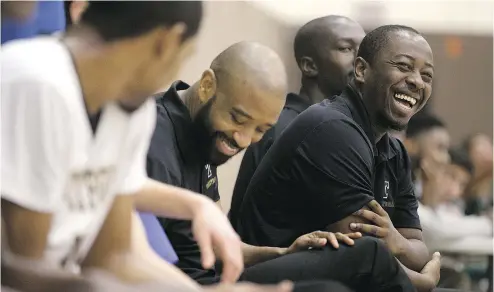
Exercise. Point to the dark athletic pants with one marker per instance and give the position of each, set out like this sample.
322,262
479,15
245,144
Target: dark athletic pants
367,266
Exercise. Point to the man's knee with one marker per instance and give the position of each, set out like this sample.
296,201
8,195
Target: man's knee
371,246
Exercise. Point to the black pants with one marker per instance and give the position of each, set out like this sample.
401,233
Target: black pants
367,266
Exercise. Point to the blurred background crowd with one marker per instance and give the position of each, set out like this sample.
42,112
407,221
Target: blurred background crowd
450,142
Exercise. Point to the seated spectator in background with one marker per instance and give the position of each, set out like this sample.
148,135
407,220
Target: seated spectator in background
325,51
426,137
445,227
478,195
336,160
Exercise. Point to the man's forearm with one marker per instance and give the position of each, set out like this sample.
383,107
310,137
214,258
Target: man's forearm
413,254
258,254
168,201
166,271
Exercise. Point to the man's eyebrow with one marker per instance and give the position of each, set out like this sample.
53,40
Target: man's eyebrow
242,113
412,58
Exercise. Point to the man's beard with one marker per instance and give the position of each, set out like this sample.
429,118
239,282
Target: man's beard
207,136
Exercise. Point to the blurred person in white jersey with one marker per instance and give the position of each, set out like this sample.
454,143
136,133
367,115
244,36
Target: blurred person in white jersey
76,125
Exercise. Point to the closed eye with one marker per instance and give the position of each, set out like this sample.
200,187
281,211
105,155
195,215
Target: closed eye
404,66
343,49
235,119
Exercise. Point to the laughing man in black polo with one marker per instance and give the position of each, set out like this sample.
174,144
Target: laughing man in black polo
202,126
336,167
325,50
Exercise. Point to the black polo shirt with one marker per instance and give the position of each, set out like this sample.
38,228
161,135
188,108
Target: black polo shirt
294,105
173,159
322,168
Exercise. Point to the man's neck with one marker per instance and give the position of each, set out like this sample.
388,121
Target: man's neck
99,84
311,92
378,131
191,99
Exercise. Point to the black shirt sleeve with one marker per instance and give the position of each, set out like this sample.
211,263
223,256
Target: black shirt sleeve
337,169
405,214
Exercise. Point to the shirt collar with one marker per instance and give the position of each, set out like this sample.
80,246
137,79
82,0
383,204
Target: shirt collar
181,120
296,102
352,98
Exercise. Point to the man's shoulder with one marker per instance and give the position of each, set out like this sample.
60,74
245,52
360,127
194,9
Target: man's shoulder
163,143
332,119
38,58
41,66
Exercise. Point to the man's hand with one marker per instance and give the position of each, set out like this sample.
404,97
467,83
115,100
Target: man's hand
212,229
248,287
432,270
321,238
383,227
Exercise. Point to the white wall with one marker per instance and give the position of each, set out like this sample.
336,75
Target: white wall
472,16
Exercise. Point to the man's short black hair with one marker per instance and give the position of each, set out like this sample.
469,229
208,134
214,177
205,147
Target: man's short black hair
312,38
125,19
377,39
421,123
461,158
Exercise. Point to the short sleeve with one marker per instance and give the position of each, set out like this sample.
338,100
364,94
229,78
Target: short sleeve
336,165
405,214
35,143
135,175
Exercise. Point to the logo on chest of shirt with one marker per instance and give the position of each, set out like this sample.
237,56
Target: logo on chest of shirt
88,189
387,199
210,179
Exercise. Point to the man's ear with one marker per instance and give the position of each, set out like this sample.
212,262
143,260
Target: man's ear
308,67
207,86
76,10
360,69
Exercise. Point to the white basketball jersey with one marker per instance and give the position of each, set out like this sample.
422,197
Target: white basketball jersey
50,159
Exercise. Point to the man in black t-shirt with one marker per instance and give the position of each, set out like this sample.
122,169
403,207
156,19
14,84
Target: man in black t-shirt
335,167
325,50
201,126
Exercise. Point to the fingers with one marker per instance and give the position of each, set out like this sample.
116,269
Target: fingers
436,256
347,238
371,216
332,240
203,239
354,235
231,254
369,229
374,206
335,238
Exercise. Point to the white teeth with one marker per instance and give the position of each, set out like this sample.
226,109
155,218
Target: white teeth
228,145
405,97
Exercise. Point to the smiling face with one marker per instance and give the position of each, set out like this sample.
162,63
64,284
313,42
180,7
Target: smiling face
237,115
398,82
